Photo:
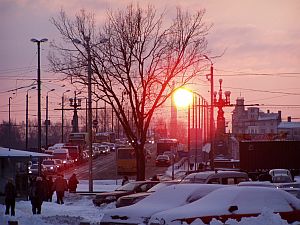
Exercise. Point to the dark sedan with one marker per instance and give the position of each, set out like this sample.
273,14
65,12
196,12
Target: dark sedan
163,160
134,198
130,188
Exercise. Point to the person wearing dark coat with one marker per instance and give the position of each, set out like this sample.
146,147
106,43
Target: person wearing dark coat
60,186
125,180
50,186
36,195
10,197
73,183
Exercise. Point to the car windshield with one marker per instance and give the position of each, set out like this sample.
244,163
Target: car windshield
127,187
48,162
159,186
282,179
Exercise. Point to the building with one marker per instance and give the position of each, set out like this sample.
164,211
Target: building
254,121
291,130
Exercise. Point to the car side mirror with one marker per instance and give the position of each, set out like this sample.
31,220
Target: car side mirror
232,208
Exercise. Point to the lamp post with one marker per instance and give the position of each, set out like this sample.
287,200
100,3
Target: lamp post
39,95
26,129
47,122
210,77
62,115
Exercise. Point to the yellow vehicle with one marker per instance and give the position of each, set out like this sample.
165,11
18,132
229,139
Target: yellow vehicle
126,161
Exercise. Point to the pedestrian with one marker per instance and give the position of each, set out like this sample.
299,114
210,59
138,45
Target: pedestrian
36,195
73,183
60,186
46,188
10,197
50,186
125,180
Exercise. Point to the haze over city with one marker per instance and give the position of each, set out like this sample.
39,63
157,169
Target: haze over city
258,44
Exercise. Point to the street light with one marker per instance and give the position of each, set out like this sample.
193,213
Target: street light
62,115
211,79
87,47
26,129
47,122
39,95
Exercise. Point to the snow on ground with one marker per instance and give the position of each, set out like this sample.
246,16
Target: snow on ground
79,208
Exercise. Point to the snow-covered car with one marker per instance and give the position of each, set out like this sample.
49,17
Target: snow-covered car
257,184
163,199
232,202
216,177
129,188
134,198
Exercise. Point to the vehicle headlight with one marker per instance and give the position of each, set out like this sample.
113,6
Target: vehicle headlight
51,168
30,171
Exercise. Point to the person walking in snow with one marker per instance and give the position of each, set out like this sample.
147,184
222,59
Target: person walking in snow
36,195
10,197
60,186
73,183
125,180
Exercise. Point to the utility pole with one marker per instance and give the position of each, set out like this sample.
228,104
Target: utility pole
47,121
9,123
210,77
62,116
26,129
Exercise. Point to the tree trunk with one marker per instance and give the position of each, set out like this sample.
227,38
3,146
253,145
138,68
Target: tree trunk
140,163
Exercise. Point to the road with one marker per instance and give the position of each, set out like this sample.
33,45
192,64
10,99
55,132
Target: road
104,167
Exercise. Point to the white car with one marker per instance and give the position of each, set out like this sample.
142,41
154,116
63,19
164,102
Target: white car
162,199
232,202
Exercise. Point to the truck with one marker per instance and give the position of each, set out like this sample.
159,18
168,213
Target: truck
257,157
62,154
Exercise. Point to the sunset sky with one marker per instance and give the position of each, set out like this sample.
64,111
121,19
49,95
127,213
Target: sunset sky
259,40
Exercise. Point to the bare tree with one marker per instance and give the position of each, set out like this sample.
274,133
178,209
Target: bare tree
137,61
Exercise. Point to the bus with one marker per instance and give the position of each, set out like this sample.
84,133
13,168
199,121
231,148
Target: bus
126,161
167,144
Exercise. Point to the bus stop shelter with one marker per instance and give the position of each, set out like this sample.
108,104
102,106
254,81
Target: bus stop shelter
14,164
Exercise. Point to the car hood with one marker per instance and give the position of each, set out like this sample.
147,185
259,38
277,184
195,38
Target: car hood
136,195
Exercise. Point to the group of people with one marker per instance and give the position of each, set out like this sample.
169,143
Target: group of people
40,189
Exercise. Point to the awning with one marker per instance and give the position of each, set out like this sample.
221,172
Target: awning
6,152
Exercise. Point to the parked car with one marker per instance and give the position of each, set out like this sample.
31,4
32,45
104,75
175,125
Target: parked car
129,188
163,160
163,199
49,166
216,177
134,198
232,202
34,169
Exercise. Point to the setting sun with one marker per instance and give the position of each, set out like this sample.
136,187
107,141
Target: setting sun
182,97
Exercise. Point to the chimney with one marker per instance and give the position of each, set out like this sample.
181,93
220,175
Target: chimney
279,116
289,119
